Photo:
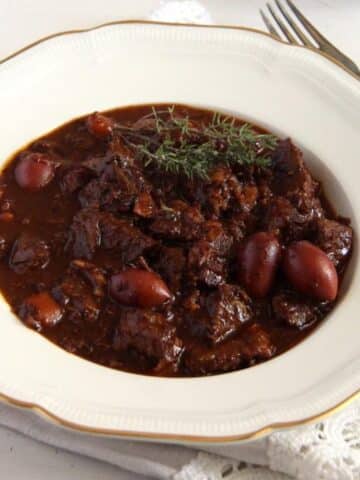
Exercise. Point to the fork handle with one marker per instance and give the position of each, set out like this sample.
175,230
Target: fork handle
333,52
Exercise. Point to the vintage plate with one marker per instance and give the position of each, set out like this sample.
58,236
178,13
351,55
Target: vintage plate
295,91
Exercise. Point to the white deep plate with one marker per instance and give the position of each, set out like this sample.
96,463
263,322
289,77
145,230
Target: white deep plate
292,90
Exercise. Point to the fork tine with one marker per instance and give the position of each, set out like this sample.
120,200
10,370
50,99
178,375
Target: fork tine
293,25
269,26
323,42
314,32
282,26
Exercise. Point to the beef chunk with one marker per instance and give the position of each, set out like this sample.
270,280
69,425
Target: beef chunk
205,265
285,221
240,225
84,235
178,221
191,302
170,265
251,346
335,239
127,178
77,300
204,360
93,274
207,257
247,198
74,179
149,333
126,156
106,196
117,186
97,163
257,344
144,205
213,232
222,313
289,308
91,195
29,253
119,235
40,311
223,191
216,194
291,179
279,213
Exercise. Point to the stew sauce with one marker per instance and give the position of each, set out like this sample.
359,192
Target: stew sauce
149,271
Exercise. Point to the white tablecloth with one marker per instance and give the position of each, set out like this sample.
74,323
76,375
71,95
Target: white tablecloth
24,21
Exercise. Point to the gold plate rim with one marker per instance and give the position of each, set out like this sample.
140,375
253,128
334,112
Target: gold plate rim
173,24
256,434
174,437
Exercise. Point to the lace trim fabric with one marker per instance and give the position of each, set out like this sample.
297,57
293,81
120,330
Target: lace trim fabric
328,450
213,467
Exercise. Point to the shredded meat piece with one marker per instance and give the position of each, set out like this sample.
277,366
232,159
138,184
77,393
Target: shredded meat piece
288,308
335,239
284,220
122,237
178,221
171,264
29,253
207,257
77,300
251,346
221,313
248,198
217,194
85,234
241,224
74,179
222,192
93,274
150,333
144,205
117,186
291,178
97,163
118,147
293,181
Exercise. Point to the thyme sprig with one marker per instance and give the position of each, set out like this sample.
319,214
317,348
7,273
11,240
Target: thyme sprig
178,145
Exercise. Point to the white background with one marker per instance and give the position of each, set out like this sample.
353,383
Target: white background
23,22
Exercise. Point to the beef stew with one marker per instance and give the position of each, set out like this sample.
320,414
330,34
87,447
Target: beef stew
168,240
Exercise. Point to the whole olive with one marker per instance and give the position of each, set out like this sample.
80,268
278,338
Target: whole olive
99,125
40,310
138,288
258,259
34,171
310,271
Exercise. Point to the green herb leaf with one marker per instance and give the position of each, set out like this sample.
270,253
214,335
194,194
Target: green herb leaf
181,146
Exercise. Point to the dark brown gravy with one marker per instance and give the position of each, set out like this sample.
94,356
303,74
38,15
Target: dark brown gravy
48,215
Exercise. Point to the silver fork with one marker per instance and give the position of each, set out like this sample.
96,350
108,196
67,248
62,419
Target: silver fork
314,39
